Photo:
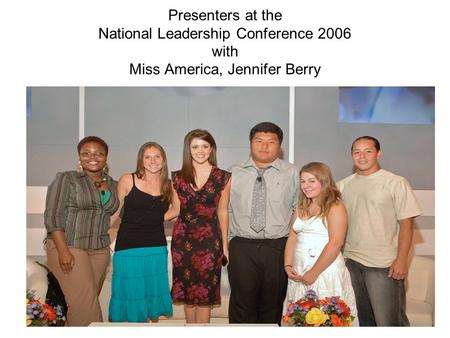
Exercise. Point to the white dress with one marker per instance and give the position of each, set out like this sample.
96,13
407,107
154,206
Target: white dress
312,236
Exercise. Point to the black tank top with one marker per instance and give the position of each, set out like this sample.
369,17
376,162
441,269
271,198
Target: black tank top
142,222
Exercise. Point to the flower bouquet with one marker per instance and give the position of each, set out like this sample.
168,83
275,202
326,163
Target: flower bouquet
312,311
43,314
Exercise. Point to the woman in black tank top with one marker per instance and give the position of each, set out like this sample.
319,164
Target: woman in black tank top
142,221
140,287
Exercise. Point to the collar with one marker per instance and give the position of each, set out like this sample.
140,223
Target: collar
82,174
366,177
250,163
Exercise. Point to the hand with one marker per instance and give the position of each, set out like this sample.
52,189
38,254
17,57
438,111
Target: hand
225,252
226,255
112,232
398,269
292,274
309,277
66,261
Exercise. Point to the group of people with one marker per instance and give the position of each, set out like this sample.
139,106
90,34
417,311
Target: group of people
279,231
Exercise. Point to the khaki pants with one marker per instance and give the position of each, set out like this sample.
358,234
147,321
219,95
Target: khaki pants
82,286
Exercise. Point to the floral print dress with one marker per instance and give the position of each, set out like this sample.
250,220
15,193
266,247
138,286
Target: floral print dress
197,241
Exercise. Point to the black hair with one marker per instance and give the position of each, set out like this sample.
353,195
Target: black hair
370,138
267,127
95,139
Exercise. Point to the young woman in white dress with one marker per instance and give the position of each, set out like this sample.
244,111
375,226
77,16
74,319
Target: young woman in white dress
312,258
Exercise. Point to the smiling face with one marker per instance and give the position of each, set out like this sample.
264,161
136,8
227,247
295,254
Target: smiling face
200,150
92,157
365,157
311,186
153,160
265,148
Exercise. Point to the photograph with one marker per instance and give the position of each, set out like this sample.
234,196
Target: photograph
224,168
152,205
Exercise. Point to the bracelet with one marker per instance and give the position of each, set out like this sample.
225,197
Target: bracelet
287,266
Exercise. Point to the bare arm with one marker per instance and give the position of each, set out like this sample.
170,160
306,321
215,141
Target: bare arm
174,209
289,252
399,268
337,228
123,188
222,214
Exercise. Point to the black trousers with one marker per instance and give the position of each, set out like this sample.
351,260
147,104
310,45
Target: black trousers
257,280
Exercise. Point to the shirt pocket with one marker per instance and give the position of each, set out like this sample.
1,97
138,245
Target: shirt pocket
237,200
275,191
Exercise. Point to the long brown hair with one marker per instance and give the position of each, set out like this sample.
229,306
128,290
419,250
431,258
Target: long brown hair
166,188
329,196
187,170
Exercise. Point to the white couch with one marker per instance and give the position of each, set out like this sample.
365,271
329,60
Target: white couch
420,291
419,296
37,279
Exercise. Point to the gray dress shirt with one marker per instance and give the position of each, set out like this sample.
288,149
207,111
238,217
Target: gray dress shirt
282,184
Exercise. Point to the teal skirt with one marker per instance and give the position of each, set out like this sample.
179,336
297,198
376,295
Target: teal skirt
140,285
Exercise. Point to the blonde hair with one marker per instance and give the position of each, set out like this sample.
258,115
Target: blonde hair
329,195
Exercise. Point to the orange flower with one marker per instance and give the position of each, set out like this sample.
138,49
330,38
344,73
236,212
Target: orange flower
49,312
336,321
344,307
307,304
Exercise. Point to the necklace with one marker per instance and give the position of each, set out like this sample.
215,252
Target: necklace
98,184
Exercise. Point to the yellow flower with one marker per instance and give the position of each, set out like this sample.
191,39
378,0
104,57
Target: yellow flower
28,320
316,317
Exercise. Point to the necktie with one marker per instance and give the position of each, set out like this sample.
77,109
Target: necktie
258,213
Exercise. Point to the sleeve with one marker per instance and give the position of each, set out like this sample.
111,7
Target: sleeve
340,185
174,175
222,180
56,203
226,177
114,195
296,195
405,201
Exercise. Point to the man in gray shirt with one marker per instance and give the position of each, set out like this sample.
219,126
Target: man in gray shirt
264,194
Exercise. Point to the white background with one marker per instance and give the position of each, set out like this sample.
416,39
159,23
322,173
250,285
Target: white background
54,43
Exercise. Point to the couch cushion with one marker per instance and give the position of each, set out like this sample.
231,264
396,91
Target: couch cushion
419,313
37,279
420,284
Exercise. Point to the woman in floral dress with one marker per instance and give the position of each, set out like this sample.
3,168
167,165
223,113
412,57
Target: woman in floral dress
200,234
